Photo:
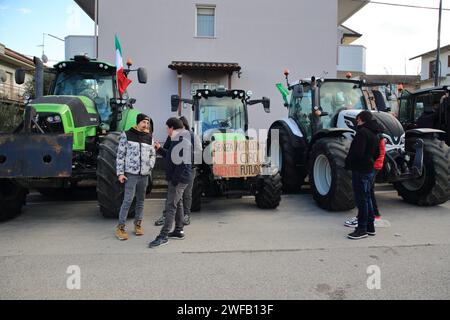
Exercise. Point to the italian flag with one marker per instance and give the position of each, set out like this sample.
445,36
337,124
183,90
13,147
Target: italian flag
122,81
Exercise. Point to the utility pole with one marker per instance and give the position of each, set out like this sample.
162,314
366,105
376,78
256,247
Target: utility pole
438,51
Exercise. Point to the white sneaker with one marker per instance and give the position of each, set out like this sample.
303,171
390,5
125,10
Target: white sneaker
352,223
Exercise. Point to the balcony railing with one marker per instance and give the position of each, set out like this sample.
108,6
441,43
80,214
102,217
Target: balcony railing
10,92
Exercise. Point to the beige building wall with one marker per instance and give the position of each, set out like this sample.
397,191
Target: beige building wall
264,37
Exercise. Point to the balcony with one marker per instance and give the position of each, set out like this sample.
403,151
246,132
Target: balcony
351,58
11,93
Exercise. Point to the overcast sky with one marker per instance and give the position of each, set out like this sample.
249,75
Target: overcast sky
391,35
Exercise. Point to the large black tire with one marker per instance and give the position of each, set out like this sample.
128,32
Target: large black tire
292,175
110,191
268,195
433,188
332,191
197,193
12,198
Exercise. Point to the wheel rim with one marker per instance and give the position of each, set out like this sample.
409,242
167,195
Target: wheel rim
322,175
416,184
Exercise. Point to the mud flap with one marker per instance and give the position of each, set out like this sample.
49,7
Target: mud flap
35,155
418,159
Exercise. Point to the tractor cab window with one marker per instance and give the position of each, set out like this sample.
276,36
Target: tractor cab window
338,96
98,88
221,113
301,108
422,103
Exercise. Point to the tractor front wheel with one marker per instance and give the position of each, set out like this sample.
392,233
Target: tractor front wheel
433,187
331,184
197,193
110,191
268,195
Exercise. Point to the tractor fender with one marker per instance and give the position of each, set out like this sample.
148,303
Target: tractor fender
332,132
290,126
426,132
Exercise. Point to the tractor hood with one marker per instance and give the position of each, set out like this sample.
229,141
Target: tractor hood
82,109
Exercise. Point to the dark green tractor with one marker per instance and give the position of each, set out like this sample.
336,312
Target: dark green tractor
233,164
426,108
68,137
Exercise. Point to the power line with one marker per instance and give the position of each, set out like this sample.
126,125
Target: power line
401,5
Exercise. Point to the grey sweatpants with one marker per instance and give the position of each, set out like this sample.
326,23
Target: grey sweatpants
136,185
174,208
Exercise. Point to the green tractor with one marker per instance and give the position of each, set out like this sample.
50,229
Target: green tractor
232,163
68,136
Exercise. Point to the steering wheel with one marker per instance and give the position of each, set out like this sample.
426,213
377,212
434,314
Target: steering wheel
221,123
90,93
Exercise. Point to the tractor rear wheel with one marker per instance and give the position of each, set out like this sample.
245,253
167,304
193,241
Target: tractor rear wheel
110,191
433,187
287,162
268,195
12,198
331,184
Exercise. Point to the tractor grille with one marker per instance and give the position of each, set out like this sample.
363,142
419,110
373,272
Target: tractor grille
48,126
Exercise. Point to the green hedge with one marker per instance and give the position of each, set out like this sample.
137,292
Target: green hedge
10,116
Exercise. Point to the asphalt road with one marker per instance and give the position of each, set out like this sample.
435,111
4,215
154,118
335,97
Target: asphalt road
232,250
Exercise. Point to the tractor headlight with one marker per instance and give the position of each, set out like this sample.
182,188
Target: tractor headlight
53,119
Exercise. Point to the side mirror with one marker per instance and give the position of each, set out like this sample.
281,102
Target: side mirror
174,102
20,76
266,104
142,75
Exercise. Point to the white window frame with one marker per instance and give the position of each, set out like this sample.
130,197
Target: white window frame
206,6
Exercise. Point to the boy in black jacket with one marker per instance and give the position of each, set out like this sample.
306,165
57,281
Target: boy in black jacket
363,152
178,173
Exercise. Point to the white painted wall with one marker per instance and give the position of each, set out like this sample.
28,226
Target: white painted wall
425,72
352,58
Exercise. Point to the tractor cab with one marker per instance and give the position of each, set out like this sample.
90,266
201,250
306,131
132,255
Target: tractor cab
315,104
220,111
427,108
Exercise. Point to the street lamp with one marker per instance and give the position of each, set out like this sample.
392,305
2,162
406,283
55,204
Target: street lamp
44,57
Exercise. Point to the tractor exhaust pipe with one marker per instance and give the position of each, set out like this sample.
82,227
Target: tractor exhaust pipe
38,77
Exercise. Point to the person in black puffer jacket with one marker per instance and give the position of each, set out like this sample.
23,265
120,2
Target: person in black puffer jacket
361,157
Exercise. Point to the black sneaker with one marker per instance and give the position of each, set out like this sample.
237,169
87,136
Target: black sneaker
159,241
187,219
160,221
177,235
371,230
357,234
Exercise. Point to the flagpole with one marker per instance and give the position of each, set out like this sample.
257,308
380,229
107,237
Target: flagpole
438,51
96,30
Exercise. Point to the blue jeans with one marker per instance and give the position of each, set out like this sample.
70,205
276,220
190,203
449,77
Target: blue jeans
136,185
362,187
